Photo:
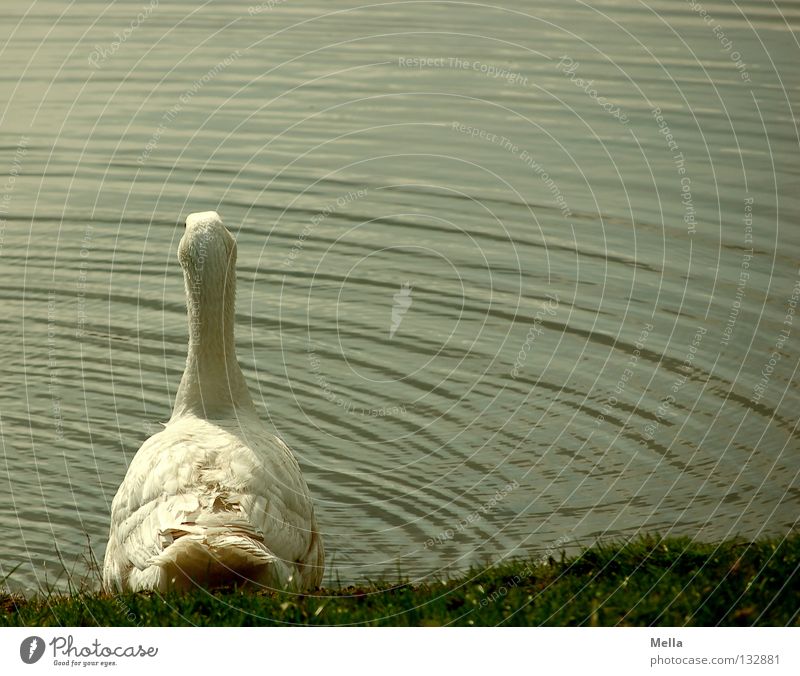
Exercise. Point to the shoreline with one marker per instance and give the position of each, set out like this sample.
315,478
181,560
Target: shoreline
649,581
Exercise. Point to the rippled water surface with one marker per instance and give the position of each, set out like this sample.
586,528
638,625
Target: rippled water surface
511,278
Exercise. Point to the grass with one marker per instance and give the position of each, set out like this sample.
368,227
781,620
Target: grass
648,582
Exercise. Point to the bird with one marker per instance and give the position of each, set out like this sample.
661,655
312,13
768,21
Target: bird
214,499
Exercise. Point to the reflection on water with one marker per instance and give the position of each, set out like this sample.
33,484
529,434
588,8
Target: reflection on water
510,278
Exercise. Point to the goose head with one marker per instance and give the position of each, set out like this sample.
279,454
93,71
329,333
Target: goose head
207,251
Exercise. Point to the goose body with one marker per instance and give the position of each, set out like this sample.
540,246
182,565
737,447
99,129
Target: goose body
214,498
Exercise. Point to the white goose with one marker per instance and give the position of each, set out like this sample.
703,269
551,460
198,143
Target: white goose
214,498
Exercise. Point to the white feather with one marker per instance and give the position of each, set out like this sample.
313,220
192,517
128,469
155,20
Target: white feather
214,498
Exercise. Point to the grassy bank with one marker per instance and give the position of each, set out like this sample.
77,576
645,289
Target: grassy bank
647,582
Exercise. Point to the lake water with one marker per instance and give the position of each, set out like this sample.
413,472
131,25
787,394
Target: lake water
511,279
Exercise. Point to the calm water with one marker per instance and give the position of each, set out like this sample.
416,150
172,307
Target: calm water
494,299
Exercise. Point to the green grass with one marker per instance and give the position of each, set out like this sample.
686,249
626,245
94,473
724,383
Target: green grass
650,581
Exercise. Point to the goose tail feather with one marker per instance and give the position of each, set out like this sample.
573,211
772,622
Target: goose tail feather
212,554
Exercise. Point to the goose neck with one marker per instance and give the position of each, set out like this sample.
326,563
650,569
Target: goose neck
213,385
